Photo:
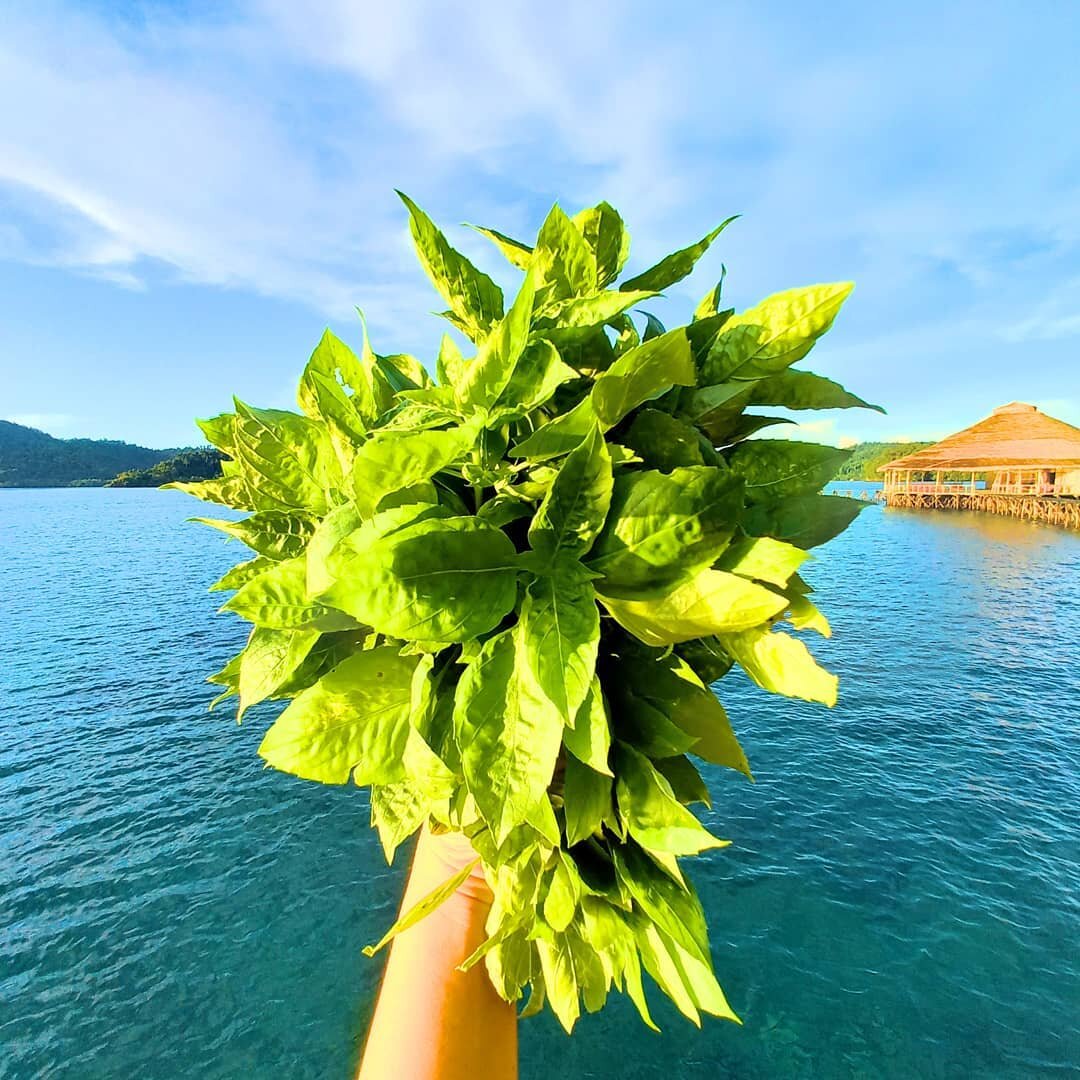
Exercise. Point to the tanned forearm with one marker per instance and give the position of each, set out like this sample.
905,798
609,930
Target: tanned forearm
431,1021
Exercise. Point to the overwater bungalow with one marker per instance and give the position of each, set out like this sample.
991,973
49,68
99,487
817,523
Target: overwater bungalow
1018,461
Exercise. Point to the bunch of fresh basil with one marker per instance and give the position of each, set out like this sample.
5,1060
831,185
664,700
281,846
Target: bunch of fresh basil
499,596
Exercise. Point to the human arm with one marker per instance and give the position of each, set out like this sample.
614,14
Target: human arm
433,1022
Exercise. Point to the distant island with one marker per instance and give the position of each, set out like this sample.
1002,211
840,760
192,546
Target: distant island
199,463
30,459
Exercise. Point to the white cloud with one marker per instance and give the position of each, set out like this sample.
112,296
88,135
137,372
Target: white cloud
258,149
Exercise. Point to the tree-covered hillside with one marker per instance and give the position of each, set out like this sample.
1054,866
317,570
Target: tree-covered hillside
188,465
31,458
868,456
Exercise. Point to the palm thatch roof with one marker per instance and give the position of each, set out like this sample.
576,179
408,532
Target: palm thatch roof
1013,436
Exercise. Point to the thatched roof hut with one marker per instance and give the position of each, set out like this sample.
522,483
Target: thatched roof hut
1021,450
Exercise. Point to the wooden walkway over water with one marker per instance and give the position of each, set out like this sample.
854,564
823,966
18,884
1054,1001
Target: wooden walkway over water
1048,509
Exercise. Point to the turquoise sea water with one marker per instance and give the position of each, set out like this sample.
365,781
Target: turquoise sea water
900,900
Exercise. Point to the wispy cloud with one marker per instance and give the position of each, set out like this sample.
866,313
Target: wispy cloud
1055,317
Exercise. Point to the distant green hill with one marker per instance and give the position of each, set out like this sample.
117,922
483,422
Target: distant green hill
31,458
866,457
199,464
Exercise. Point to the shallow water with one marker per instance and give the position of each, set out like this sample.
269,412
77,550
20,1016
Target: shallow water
900,900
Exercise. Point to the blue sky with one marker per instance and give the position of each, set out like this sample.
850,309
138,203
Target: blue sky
189,192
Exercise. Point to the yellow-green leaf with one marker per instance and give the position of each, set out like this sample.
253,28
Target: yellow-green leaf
711,602
424,907
354,718
775,334
782,664
474,299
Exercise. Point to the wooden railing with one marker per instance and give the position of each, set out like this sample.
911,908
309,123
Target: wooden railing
1002,484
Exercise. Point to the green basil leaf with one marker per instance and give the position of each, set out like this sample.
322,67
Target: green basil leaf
715,408
711,602
706,658
573,511
508,744
642,374
687,979
586,801
538,373
563,895
653,816
805,520
336,389
474,299
804,614
450,364
391,462
437,579
805,390
775,334
231,491
503,509
288,458
763,559
641,719
664,709
709,304
782,664
587,311
510,965
608,238
403,372
686,782
353,721
242,573
677,265
424,907
563,262
397,811
664,527
271,658
560,436
589,738
276,534
654,328
560,980
340,522
778,468
517,253
675,911
745,425
698,712
278,599
485,378
663,441
558,638
627,338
